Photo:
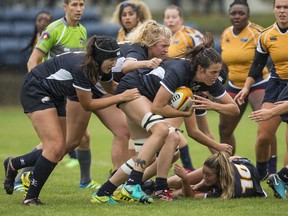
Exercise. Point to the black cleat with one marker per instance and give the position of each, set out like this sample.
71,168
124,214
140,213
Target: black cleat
10,176
32,202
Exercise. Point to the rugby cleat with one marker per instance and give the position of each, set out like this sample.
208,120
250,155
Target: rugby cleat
32,202
277,186
135,192
25,178
119,197
91,185
72,162
18,187
102,199
10,176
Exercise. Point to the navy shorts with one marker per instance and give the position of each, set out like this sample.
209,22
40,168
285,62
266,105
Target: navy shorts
130,82
235,90
34,97
274,89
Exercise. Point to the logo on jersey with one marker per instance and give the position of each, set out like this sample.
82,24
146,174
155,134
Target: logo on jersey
81,41
273,38
45,99
228,40
245,40
66,49
45,35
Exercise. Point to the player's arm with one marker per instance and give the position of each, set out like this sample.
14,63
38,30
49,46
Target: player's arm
131,64
265,114
161,105
225,105
35,59
90,104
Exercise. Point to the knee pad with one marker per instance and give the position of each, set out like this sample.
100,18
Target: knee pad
127,167
150,119
138,143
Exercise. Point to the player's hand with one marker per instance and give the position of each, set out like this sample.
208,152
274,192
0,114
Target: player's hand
240,97
130,94
261,115
202,103
225,148
154,63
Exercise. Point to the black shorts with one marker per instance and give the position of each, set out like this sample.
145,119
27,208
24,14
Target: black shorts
34,97
130,82
273,91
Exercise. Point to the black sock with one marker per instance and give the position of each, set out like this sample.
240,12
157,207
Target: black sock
283,174
25,169
106,189
135,178
185,158
39,176
73,154
84,158
272,164
26,160
261,169
161,184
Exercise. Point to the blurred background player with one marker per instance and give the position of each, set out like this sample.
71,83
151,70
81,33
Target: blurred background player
129,14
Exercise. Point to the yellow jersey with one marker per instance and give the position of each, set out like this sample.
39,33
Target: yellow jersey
273,42
238,52
183,39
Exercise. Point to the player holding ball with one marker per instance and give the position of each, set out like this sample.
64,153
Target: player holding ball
146,118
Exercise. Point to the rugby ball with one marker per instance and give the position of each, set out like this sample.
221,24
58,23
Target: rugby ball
181,99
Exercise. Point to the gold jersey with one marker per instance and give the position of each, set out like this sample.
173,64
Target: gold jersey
183,39
275,43
238,52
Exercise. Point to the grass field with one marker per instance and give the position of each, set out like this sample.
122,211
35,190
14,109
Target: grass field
63,197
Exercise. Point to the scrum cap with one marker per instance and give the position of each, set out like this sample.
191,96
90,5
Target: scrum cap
105,48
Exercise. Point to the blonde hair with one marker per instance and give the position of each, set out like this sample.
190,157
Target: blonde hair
222,167
141,9
149,33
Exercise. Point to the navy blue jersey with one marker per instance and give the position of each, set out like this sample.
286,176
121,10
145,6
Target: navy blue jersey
170,74
127,50
246,181
63,74
135,51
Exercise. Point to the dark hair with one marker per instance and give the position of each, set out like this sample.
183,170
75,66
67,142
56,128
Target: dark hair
98,49
135,7
203,54
240,2
30,45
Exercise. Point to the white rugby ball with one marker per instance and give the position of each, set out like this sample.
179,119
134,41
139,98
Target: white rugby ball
181,99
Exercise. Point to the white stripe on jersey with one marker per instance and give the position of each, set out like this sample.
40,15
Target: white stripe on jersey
61,75
159,71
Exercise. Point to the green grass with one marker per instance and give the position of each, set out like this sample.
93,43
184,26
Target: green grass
63,197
